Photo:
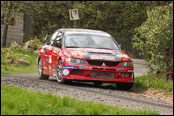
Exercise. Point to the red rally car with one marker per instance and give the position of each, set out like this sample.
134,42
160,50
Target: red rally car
85,55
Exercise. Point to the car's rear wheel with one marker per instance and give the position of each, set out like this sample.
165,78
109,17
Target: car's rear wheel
40,71
59,72
124,86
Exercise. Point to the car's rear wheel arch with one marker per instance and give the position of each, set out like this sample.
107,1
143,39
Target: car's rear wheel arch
38,60
40,69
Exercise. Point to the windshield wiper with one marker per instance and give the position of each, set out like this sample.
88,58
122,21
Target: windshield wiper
106,48
72,47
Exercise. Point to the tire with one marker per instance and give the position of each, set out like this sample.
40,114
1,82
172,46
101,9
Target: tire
124,86
40,71
97,83
59,72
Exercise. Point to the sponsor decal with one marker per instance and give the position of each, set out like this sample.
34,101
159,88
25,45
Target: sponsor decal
50,59
44,68
125,57
119,69
54,70
65,71
77,53
54,66
47,60
49,67
98,50
83,67
70,67
42,53
96,57
102,56
130,70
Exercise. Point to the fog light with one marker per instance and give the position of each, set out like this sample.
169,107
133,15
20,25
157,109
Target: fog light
125,74
65,71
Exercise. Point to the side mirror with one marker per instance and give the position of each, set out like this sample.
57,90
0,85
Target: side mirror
119,46
59,44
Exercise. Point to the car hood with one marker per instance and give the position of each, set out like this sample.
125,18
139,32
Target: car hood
97,54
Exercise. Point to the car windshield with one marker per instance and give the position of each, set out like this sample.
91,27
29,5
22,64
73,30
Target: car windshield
89,41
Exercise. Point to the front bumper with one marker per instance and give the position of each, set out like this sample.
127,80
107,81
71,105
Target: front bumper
85,73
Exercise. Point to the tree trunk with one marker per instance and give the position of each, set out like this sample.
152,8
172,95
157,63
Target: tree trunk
6,24
4,36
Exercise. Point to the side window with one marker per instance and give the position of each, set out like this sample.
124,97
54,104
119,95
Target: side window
52,38
58,39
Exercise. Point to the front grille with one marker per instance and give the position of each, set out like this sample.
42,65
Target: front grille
99,63
75,71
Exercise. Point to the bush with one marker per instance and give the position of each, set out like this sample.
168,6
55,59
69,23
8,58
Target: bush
15,60
4,52
154,38
151,81
7,53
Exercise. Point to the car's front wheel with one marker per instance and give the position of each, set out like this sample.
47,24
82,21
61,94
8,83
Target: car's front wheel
59,72
40,71
124,86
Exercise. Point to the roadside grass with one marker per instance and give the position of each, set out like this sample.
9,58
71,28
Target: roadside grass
151,81
16,54
36,103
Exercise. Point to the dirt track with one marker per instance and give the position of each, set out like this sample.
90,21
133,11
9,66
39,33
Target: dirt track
106,94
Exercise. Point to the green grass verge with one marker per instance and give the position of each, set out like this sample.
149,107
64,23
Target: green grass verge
151,81
17,68
18,101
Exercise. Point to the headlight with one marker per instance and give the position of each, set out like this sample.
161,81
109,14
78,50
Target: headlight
125,74
126,64
74,61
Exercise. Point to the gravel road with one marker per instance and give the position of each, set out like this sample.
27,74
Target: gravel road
106,94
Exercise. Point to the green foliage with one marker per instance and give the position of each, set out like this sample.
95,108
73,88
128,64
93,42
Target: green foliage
35,43
35,103
4,51
119,18
151,81
8,55
154,38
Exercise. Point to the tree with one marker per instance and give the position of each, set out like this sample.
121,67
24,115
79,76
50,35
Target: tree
154,38
7,11
119,18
